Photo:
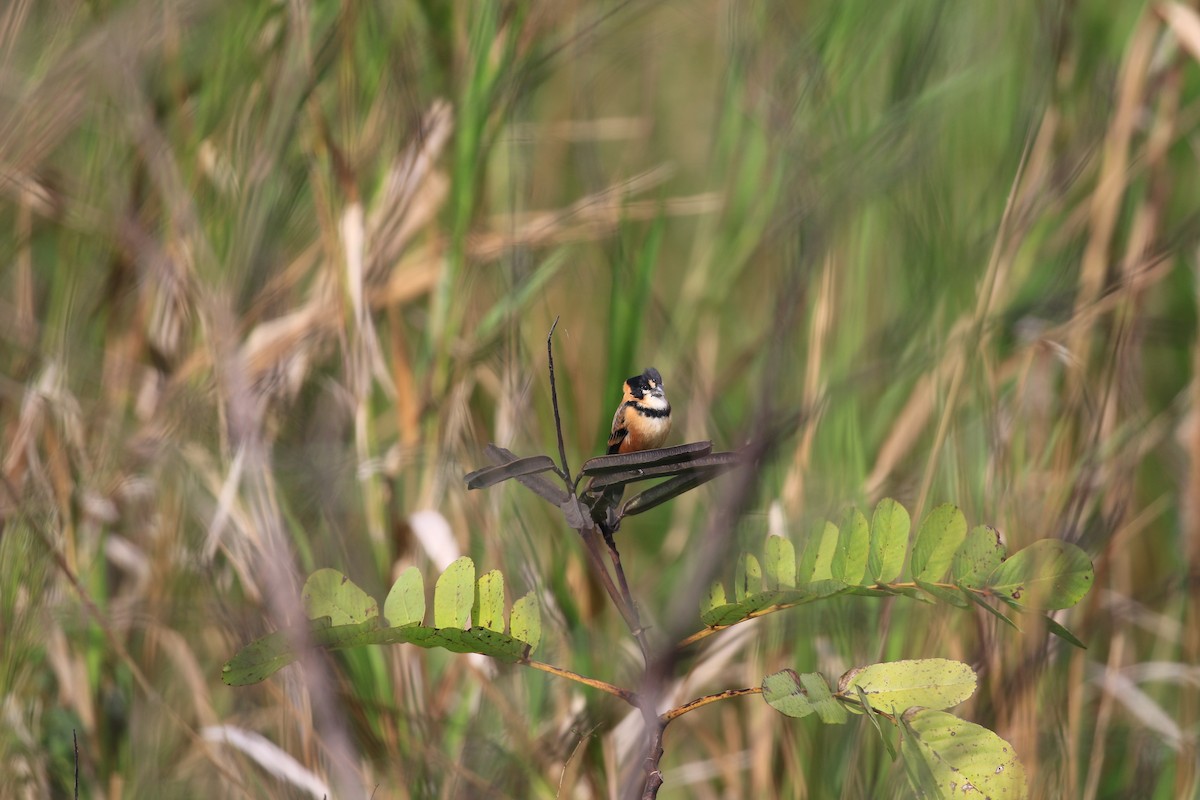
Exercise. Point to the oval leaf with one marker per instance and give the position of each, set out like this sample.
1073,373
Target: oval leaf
780,563
747,577
489,602
714,599
899,685
801,695
259,660
854,541
818,555
890,526
454,594
525,622
329,593
939,537
783,692
965,759
981,553
405,603
1047,574
828,708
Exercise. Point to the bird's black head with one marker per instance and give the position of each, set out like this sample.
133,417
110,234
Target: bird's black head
649,382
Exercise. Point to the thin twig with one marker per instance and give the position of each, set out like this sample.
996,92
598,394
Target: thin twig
562,448
615,691
637,630
700,702
590,537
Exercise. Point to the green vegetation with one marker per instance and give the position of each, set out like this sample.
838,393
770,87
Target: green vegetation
469,618
275,274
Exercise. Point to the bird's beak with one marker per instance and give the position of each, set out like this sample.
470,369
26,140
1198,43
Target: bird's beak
657,391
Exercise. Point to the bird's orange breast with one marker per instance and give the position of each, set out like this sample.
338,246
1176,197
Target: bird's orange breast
645,433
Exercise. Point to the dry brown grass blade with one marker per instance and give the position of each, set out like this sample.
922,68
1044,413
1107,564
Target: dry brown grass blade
589,218
1105,200
821,321
973,331
1184,22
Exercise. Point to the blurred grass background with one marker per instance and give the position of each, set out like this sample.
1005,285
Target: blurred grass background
274,272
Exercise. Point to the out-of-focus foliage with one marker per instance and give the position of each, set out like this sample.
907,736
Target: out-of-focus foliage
274,274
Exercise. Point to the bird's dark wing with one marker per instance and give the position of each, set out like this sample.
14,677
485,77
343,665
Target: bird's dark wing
619,431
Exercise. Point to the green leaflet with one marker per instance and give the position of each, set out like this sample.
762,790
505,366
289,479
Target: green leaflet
454,595
405,603
1047,574
849,562
747,577
488,611
797,695
937,540
329,593
350,618
525,623
890,526
981,553
779,561
898,685
817,561
961,758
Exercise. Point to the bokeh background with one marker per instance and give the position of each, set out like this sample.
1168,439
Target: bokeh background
272,274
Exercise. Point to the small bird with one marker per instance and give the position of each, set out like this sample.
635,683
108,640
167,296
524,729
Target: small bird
642,422
643,419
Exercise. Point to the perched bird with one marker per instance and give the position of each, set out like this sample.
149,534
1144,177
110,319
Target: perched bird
643,419
642,422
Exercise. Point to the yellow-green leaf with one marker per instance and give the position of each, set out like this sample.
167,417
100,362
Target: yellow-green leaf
827,706
898,685
1047,574
454,594
329,593
405,603
942,531
783,692
854,541
890,526
981,553
747,577
780,563
489,602
965,759
525,622
714,599
816,562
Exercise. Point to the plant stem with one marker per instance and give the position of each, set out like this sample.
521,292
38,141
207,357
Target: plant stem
700,702
654,754
635,620
615,691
